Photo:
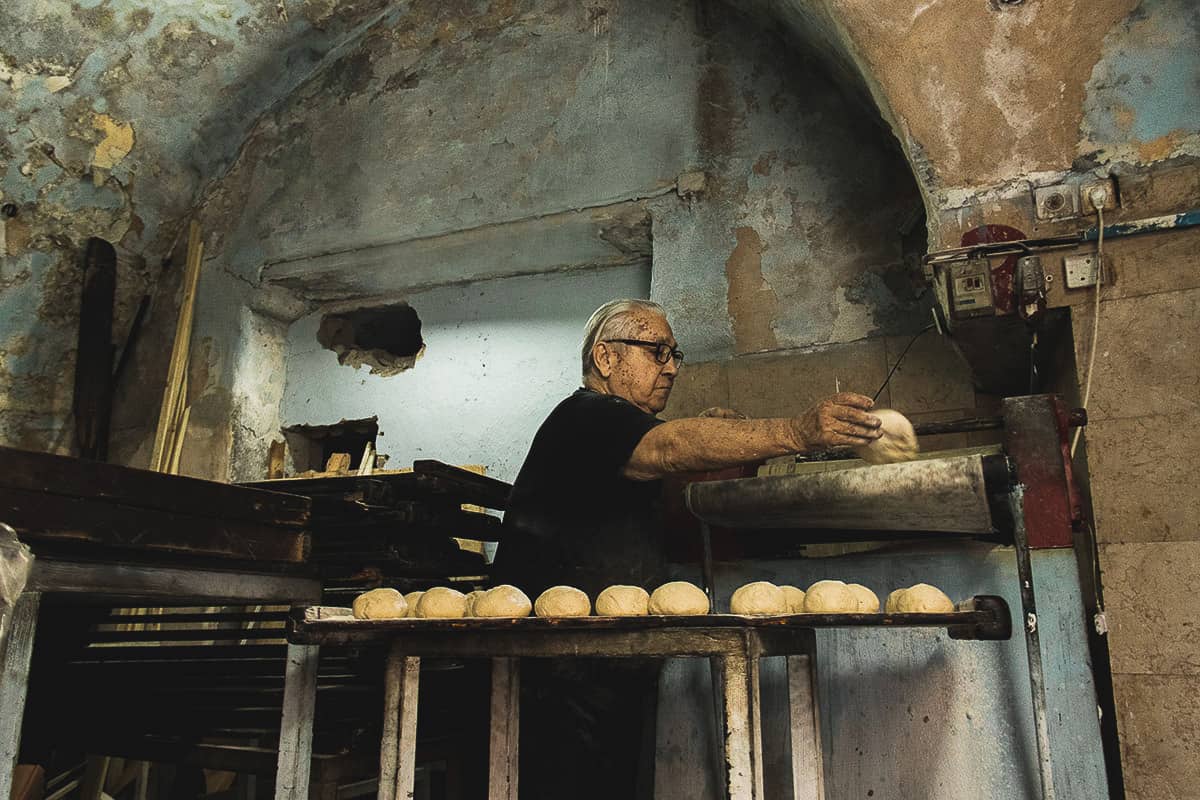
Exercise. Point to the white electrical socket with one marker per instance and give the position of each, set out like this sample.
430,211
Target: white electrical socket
1105,185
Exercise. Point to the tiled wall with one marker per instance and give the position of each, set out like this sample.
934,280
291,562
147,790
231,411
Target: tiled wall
1143,441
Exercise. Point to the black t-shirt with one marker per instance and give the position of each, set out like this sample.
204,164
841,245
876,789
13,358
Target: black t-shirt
572,517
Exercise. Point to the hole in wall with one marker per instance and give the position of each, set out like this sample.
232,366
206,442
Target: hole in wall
387,339
312,445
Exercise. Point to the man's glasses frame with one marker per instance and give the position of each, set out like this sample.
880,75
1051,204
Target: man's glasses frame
662,352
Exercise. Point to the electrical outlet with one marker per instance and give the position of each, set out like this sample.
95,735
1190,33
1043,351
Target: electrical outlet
1081,271
1110,195
1060,201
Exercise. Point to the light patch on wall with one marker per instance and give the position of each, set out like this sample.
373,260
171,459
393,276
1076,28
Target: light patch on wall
116,144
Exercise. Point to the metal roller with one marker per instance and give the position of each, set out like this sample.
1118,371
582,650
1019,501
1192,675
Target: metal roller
938,495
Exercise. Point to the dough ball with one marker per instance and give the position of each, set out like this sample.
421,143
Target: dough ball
898,443
412,598
868,602
830,597
562,601
502,601
380,604
678,598
623,601
795,599
892,606
442,603
471,598
760,598
925,599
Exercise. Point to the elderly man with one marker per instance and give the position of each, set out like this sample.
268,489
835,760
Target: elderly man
584,511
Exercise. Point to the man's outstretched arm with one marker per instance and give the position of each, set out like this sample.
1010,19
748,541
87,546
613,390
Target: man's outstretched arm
693,445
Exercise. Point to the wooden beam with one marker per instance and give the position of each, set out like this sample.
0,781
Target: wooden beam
398,745
177,368
808,768
73,477
176,585
504,747
14,683
295,737
50,519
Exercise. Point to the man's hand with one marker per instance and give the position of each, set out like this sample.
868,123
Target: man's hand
838,421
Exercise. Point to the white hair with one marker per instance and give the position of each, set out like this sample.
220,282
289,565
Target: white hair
611,321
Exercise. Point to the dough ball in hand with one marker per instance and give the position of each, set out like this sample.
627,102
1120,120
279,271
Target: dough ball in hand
758,599
502,601
471,598
623,601
924,599
898,443
380,604
441,602
868,602
678,598
562,601
795,599
830,597
412,598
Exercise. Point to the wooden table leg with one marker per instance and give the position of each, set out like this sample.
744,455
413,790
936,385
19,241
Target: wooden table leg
14,681
503,749
398,745
296,728
808,768
743,727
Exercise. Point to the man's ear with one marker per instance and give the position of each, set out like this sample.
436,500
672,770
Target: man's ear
604,357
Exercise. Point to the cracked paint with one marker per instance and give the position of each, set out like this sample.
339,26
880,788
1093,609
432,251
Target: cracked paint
116,143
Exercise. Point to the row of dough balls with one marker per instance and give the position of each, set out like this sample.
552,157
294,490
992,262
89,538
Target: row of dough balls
762,598
505,601
677,598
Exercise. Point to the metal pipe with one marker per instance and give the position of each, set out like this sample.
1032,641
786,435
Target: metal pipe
1033,646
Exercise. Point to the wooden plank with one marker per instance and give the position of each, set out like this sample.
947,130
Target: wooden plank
14,682
406,767
275,459
504,741
73,477
175,585
42,517
177,368
808,768
743,772
398,745
389,743
296,727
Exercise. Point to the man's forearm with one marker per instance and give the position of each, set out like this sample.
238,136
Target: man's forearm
694,444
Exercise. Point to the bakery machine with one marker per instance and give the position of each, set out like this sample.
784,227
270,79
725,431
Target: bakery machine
1000,518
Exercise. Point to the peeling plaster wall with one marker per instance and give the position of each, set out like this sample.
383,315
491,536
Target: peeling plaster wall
499,355
456,116
113,114
797,239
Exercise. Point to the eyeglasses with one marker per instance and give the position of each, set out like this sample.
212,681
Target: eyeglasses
662,352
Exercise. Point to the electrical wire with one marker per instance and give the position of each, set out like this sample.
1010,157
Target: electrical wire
1091,365
903,353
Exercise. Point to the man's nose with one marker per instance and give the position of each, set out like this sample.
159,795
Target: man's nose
670,368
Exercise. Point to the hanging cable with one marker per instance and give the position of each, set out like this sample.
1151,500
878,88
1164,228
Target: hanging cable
1097,200
903,353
